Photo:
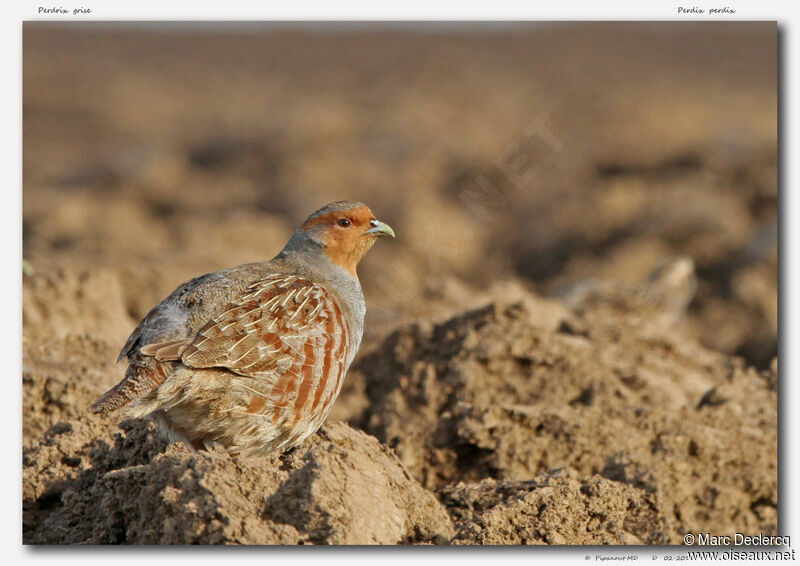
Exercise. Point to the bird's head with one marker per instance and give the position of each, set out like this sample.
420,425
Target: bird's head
344,231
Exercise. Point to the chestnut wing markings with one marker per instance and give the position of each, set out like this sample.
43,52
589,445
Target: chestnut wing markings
264,331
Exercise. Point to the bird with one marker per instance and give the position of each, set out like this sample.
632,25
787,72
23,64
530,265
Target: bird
250,359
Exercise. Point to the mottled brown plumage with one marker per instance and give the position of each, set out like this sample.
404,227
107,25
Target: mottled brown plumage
252,358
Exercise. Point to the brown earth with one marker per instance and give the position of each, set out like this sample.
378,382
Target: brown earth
572,341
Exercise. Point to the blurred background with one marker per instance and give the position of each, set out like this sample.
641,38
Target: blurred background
544,154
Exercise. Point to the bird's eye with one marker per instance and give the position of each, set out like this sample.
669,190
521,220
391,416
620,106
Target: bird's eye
344,223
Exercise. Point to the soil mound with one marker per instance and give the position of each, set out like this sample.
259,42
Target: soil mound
494,393
342,487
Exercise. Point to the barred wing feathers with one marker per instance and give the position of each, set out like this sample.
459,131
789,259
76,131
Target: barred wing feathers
290,335
285,332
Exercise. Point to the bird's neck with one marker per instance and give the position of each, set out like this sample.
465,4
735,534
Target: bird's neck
307,246
310,257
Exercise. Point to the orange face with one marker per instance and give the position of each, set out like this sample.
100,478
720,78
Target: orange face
348,234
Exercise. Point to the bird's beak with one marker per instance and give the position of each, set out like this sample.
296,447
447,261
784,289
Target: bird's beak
380,229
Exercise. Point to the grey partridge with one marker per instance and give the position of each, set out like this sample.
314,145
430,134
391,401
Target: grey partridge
250,359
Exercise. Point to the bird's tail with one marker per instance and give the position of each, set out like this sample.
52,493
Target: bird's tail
140,379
